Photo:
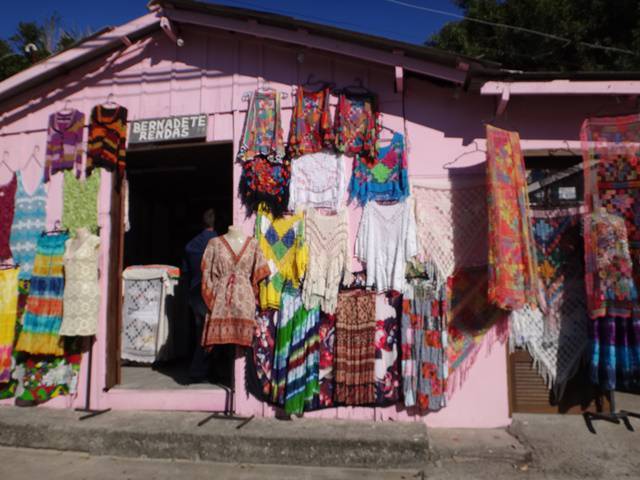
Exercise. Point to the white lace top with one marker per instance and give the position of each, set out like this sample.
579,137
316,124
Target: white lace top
317,180
386,241
327,238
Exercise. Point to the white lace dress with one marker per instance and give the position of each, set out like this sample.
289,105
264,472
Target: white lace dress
386,241
317,180
327,237
81,291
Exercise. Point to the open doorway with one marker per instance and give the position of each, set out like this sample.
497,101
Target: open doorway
170,188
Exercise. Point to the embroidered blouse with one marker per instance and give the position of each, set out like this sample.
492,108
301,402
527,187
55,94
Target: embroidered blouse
356,125
282,243
107,139
386,241
311,129
383,178
317,180
263,129
266,182
328,242
64,143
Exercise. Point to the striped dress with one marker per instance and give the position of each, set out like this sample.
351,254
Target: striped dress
29,221
43,315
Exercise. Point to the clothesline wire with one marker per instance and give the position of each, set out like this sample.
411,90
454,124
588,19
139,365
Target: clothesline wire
511,27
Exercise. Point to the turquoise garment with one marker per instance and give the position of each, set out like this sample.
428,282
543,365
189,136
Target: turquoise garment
383,178
29,220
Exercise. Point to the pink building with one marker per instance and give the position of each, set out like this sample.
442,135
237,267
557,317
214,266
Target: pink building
188,58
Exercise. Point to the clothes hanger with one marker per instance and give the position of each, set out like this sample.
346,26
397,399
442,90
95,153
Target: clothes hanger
56,229
390,130
246,96
312,85
629,108
8,265
477,149
110,103
5,161
357,89
36,151
67,108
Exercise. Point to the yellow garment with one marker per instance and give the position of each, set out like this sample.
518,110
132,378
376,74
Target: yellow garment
282,242
8,314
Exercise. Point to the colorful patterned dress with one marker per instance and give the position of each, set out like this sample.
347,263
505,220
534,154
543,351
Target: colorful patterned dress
43,315
29,222
282,243
230,287
512,264
8,317
262,134
383,177
387,355
311,129
356,125
327,334
7,208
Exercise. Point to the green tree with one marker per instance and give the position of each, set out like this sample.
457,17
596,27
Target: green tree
609,23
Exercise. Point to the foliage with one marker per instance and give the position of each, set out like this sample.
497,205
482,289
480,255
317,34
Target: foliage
612,23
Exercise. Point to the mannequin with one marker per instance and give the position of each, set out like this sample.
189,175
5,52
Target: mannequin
236,238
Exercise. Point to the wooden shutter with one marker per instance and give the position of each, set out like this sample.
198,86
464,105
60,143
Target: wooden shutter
114,294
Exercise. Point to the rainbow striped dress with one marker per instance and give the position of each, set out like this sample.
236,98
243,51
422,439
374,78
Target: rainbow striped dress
43,314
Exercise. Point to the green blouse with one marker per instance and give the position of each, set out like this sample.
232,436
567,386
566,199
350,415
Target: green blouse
80,199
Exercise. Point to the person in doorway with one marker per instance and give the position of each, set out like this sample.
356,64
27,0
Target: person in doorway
201,361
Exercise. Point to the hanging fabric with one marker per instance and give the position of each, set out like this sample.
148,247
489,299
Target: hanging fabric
448,213
263,351
282,243
65,135
356,125
317,181
8,317
557,339
382,177
262,181
106,147
387,365
43,315
311,129
262,135
355,354
512,266
29,221
326,377
80,203
7,209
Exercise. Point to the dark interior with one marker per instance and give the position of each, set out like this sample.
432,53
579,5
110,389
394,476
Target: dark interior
169,189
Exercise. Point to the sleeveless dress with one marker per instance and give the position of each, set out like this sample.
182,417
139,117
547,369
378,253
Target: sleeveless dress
29,220
7,199
81,301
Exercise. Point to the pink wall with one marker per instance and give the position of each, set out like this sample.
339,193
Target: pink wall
209,75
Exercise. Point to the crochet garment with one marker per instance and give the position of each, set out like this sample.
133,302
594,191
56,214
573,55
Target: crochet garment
512,266
80,203
106,147
449,212
611,290
230,285
386,241
424,343
266,182
65,135
355,356
328,242
356,125
43,315
383,177
296,360
556,339
311,129
81,293
7,208
612,184
317,180
28,223
8,317
387,366
262,129
282,243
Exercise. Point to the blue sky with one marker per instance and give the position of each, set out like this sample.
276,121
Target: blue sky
376,17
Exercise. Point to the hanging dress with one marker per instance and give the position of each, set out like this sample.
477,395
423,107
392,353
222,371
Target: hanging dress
43,315
356,125
8,317
81,301
29,221
7,208
382,177
230,287
80,203
311,129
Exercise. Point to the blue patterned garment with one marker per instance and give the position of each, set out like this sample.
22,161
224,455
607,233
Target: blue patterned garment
29,220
